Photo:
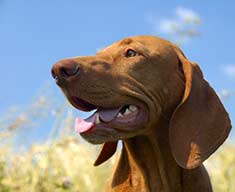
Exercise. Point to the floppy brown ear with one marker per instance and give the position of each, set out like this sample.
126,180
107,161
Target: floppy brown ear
106,151
200,124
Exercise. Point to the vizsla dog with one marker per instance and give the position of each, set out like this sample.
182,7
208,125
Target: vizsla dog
148,95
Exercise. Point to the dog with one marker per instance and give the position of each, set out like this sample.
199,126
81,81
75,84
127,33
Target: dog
147,94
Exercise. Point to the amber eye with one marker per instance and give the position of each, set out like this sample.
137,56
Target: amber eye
130,53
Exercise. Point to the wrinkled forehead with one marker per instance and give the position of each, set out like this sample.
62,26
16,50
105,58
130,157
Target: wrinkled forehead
127,42
145,44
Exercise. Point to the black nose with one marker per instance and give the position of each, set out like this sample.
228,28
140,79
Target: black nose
63,70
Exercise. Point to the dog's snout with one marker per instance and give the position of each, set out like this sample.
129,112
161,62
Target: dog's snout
65,69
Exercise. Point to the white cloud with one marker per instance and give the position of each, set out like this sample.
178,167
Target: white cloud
167,25
224,94
229,70
184,18
187,15
179,28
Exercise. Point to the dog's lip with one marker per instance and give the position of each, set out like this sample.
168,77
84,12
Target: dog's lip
117,128
96,125
107,116
81,104
86,106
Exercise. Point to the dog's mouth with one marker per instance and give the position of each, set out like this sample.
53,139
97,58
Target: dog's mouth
127,115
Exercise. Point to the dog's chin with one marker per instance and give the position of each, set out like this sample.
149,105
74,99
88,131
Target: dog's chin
95,137
104,133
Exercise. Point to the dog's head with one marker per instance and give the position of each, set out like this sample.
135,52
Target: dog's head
134,83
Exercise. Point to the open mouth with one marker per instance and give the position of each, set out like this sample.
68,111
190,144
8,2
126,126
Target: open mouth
124,115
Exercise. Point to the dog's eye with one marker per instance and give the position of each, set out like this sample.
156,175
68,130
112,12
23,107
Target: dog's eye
130,53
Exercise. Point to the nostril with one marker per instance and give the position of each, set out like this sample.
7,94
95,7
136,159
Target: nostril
69,70
64,72
53,74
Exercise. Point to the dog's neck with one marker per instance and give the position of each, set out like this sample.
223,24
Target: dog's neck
137,169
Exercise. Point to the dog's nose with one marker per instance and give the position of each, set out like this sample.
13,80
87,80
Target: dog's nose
65,69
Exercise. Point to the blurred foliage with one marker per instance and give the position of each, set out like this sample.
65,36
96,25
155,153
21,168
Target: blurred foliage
221,168
67,165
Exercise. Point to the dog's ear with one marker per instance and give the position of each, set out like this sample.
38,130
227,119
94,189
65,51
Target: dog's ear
106,151
200,124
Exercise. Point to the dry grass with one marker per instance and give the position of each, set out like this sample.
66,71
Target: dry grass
221,168
67,165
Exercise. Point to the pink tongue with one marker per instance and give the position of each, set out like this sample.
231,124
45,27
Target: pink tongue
84,125
106,115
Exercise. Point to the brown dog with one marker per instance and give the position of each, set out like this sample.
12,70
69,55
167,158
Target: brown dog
149,96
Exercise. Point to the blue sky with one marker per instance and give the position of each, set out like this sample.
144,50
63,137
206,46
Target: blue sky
35,34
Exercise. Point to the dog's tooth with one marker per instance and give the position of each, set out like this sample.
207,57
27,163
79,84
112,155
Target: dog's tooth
132,108
97,119
119,115
127,112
